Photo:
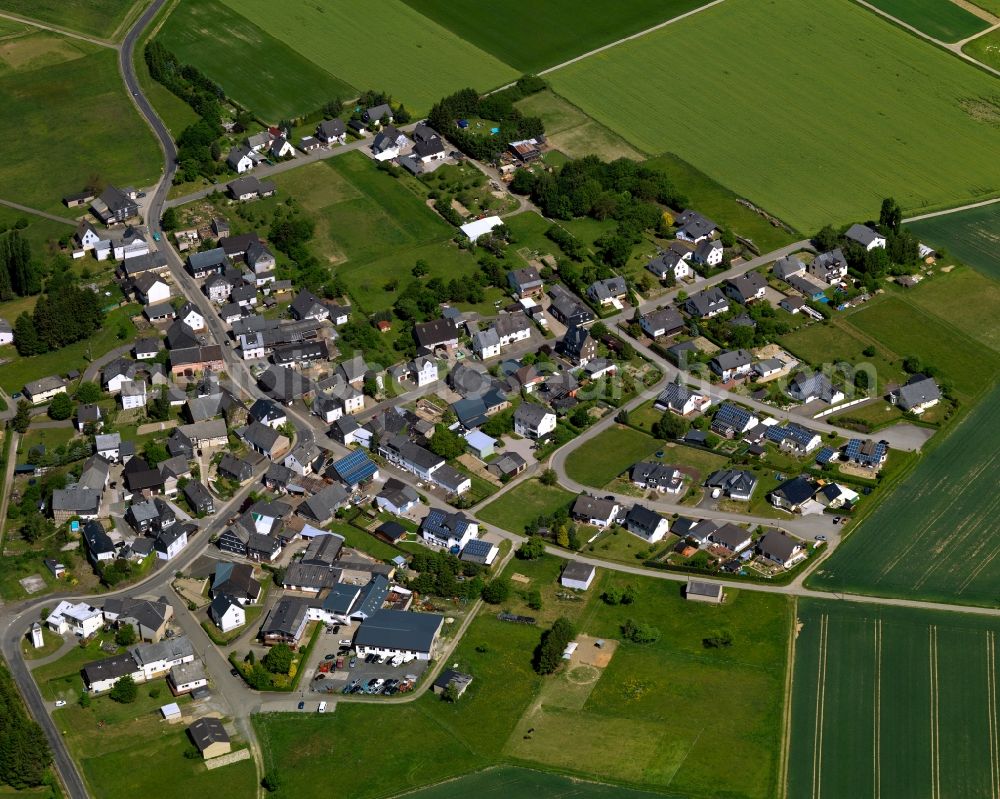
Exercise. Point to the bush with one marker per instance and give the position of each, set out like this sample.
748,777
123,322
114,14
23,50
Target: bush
496,591
548,656
125,691
125,636
639,632
532,549
535,599
721,639
278,659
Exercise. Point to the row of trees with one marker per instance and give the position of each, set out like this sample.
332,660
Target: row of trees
19,276
198,149
66,314
548,655
24,751
498,107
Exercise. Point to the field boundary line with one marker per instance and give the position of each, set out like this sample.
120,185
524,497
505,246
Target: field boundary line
630,38
877,714
72,34
935,730
786,738
817,787
991,711
955,210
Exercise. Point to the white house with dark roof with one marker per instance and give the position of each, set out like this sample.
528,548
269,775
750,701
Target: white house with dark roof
661,322
693,227
865,236
533,421
919,394
645,523
707,303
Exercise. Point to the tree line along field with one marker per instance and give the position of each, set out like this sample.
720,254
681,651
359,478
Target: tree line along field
793,82
254,68
945,21
972,235
532,36
101,18
893,702
675,709
396,48
935,537
72,121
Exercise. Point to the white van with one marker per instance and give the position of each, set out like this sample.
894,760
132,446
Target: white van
321,708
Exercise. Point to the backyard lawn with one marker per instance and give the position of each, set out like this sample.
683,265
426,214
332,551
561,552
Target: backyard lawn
524,503
605,456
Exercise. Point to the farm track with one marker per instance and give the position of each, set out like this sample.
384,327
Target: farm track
877,715
934,714
991,711
817,770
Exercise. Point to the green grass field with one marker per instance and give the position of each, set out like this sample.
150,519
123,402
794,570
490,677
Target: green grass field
893,702
509,781
61,122
675,708
965,298
945,21
935,536
908,330
257,70
396,49
524,503
100,18
720,204
769,61
20,370
973,236
532,36
992,6
107,738
572,132
601,459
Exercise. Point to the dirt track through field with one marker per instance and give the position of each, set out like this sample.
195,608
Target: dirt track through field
817,775
877,715
935,726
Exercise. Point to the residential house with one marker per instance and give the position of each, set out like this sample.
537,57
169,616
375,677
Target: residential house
236,580
657,477
608,292
307,305
595,510
79,618
732,537
199,498
808,386
693,227
235,469
867,453
533,421
150,289
397,497
700,591
767,368
438,334
567,308
794,438
787,267
512,327
578,345
75,502
249,188
100,547
732,365
731,420
206,263
322,506
525,282
449,530
830,267
737,484
133,394
680,399
919,394
507,465
281,148
303,459
146,349
486,343
387,143
661,322
242,159
645,523
835,496
331,131
672,263
286,622
865,236
479,551
707,303
353,469
378,115
428,145
793,494
746,288
184,678
149,617
424,370
114,205
191,361
709,253
88,414
210,737
44,389
781,549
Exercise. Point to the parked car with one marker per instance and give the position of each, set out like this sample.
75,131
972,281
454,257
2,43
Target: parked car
345,642
302,705
354,662
60,703
330,657
234,672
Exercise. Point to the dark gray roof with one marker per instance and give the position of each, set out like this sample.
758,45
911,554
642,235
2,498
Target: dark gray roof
207,731
397,629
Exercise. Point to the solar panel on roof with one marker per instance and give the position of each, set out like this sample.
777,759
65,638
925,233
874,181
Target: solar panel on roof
355,468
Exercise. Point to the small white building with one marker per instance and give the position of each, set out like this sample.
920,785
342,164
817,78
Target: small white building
473,230
578,576
425,371
186,677
133,394
227,613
